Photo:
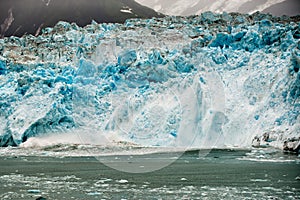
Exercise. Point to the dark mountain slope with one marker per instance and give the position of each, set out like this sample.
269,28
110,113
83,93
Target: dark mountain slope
26,16
290,7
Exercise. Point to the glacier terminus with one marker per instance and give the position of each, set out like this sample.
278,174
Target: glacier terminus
213,80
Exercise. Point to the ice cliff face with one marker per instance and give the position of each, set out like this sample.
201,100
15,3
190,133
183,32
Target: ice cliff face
199,81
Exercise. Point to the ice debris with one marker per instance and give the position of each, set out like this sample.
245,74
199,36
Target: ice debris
155,82
122,181
34,191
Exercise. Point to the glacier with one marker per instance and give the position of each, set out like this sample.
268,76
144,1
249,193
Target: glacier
212,80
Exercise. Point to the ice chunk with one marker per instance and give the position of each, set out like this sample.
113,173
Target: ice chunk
86,68
122,181
127,58
199,81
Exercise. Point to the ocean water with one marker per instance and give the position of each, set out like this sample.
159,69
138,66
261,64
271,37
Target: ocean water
54,172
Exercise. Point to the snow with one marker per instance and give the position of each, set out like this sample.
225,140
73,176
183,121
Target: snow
126,11
191,7
234,5
47,2
214,80
7,22
269,3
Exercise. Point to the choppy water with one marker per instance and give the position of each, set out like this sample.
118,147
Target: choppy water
218,174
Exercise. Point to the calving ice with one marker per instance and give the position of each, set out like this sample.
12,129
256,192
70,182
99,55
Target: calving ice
213,80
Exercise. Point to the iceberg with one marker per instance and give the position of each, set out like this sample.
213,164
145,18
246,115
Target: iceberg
213,80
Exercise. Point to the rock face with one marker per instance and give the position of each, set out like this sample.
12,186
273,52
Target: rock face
31,16
200,81
292,145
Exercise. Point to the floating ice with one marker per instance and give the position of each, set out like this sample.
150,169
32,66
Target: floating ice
122,181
